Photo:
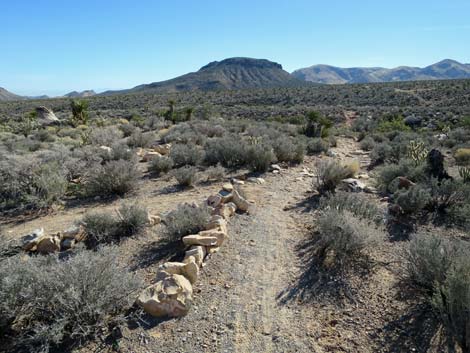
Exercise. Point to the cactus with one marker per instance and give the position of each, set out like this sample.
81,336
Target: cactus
417,152
465,174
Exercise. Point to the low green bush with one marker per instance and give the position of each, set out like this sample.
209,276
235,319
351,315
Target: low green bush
329,175
160,165
186,176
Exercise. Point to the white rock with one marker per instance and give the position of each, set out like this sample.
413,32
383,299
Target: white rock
171,296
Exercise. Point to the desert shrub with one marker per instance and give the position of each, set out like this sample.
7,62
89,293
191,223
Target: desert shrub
405,168
428,260
356,204
160,165
230,152
105,136
185,220
380,153
30,185
344,236
367,144
183,155
317,125
440,268
43,135
80,298
352,167
317,145
259,157
412,200
462,156
451,300
288,150
394,123
328,175
215,173
186,176
105,227
113,178
140,139
127,129
447,193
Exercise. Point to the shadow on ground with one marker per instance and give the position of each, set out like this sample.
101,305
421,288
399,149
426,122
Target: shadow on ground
416,330
319,284
161,250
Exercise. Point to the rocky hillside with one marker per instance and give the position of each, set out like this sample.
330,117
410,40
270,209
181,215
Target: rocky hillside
233,73
446,69
8,96
83,94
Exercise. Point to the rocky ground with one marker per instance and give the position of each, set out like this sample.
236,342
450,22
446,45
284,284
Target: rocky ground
260,292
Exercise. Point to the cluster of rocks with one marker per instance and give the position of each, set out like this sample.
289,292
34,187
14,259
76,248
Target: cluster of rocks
148,154
39,242
172,294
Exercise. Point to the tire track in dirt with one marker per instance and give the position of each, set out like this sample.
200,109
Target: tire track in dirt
269,266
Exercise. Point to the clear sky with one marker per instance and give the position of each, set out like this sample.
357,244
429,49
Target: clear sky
56,46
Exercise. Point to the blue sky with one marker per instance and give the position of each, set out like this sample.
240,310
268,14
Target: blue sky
56,46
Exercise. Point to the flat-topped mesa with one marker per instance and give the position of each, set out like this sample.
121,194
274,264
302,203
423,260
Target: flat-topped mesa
243,62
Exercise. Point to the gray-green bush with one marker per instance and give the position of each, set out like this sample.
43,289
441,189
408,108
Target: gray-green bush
47,303
186,219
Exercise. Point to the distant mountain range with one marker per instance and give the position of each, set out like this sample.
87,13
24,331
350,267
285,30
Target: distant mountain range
248,73
233,73
443,70
83,94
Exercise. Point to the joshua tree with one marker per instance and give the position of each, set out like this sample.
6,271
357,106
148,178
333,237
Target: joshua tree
79,112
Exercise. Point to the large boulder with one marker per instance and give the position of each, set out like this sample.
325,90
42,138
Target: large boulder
171,296
46,116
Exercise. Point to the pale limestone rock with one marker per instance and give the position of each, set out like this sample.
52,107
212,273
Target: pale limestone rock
241,203
162,149
171,296
214,200
153,219
149,155
213,233
227,187
198,252
188,269
77,233
30,241
196,239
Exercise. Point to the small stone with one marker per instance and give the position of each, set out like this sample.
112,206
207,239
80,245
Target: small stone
227,187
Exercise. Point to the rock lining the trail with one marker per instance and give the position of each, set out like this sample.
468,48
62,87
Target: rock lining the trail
172,296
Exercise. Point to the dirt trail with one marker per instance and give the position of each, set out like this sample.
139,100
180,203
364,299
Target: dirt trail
263,324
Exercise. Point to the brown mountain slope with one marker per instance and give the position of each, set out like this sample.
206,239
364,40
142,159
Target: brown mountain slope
233,73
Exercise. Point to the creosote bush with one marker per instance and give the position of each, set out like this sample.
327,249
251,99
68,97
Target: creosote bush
186,219
106,227
52,304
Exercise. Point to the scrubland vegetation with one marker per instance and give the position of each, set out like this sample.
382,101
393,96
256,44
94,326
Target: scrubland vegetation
421,169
